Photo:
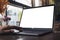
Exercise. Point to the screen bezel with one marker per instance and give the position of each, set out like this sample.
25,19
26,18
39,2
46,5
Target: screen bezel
40,28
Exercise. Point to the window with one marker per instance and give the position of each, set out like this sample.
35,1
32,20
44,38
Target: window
15,14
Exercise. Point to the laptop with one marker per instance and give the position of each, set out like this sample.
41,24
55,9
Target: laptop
37,21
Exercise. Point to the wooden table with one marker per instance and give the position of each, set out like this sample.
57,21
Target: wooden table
51,36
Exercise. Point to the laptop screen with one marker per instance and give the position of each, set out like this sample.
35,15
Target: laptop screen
41,17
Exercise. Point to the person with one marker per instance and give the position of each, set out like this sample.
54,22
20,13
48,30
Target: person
6,28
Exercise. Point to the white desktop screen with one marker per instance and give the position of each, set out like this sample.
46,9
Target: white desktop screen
41,17
25,2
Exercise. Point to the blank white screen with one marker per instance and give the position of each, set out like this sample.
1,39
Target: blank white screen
37,17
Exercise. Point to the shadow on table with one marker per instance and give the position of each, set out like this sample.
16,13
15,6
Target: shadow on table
56,36
9,37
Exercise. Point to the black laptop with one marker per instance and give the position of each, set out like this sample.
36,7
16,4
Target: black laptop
37,21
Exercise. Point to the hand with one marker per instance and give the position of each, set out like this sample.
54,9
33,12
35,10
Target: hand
9,28
6,18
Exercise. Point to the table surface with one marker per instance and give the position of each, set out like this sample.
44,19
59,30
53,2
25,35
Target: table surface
51,36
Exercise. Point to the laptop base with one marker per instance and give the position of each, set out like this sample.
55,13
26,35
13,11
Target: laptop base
30,32
35,32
